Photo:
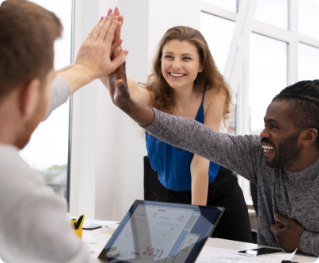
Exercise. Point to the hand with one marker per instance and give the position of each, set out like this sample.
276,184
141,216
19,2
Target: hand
116,46
118,88
287,233
95,53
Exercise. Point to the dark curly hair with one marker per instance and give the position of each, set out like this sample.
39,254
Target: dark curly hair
303,97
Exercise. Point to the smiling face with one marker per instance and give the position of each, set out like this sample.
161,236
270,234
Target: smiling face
279,139
180,64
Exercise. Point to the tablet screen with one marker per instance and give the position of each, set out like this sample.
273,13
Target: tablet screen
161,232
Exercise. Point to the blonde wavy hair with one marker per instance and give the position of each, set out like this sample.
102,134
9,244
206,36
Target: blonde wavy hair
161,92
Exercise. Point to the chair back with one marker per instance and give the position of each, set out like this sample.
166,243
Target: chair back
150,178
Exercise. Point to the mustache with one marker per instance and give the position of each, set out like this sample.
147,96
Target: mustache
265,140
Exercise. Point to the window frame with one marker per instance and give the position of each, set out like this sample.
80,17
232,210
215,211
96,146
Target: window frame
290,36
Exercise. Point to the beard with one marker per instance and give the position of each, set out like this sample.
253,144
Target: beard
287,151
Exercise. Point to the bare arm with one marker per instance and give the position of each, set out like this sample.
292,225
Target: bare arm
200,165
66,68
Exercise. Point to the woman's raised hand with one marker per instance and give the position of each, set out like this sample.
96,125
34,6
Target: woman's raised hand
96,51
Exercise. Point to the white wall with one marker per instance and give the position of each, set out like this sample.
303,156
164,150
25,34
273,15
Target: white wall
107,146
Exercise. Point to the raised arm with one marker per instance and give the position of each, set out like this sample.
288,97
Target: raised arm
242,154
140,95
93,61
94,57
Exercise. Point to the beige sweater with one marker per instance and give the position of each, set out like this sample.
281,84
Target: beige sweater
33,225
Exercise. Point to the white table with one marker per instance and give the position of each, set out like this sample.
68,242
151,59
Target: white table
101,240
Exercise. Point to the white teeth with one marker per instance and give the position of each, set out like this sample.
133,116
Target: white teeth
177,75
267,148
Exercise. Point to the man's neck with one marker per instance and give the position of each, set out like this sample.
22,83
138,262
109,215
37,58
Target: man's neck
306,158
9,121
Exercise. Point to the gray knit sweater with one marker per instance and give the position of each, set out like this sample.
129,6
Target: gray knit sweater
292,194
33,225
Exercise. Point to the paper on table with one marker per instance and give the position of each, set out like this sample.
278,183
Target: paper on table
87,238
96,252
220,255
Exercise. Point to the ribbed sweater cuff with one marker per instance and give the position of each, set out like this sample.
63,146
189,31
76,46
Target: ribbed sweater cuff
308,243
60,92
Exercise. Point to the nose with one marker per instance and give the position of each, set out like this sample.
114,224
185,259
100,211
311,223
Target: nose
176,64
264,134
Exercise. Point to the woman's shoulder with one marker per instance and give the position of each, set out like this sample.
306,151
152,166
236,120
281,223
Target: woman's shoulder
214,95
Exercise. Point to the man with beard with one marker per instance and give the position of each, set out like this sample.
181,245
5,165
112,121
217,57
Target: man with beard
283,163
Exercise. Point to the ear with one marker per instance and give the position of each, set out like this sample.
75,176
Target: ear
201,69
29,98
309,136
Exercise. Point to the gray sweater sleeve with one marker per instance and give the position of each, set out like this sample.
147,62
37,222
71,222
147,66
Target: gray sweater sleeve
242,154
309,243
60,92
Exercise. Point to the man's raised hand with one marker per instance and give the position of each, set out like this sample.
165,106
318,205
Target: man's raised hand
118,88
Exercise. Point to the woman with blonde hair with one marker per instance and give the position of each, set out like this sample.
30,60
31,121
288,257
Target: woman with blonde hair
186,82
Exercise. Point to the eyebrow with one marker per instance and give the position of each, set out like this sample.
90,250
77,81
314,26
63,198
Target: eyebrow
185,54
270,120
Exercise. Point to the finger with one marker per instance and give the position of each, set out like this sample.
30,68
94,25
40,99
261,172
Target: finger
116,11
116,52
115,46
110,34
91,33
279,226
107,27
121,19
274,230
118,31
119,60
109,12
120,84
98,28
282,219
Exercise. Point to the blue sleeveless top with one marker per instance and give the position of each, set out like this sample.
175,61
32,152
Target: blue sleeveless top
172,164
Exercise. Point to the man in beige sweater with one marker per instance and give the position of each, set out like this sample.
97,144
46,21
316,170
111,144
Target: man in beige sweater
33,226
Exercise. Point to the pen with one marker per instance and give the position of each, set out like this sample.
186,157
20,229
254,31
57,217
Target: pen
79,222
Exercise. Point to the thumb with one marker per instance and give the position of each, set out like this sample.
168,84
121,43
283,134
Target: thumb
119,60
281,219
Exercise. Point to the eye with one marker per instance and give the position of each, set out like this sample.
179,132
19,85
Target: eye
186,58
273,126
168,56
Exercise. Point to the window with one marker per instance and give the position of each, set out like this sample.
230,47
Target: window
267,76
212,26
47,151
308,62
273,12
230,5
308,20
218,33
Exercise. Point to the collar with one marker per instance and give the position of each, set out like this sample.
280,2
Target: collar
309,173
